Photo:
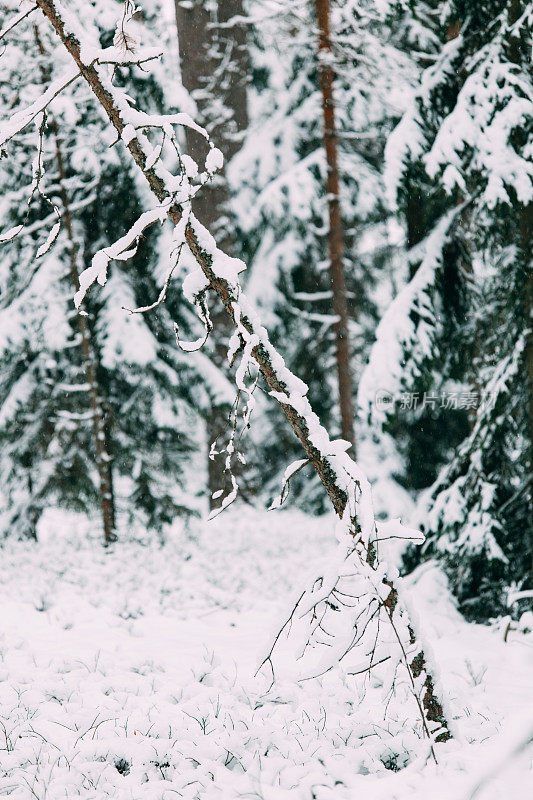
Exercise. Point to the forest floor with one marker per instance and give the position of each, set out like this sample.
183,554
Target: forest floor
129,673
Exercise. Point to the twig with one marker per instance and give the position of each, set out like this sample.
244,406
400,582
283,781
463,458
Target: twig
17,21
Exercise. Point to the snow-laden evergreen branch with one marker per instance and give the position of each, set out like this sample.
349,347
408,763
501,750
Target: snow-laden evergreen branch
473,137
13,24
409,322
25,116
470,526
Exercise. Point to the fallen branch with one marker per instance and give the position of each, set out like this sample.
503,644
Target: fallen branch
341,477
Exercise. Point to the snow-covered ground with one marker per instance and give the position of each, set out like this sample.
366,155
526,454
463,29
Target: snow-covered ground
129,673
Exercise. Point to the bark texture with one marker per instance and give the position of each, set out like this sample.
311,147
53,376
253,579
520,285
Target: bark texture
335,234
214,69
100,437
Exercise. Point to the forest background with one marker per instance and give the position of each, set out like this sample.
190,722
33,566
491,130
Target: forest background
223,220
376,178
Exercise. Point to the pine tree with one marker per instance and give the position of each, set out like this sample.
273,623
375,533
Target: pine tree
89,399
281,203
463,321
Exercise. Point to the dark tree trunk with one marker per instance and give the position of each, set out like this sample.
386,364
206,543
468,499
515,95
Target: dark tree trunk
101,444
519,53
214,67
335,236
100,439
526,237
529,365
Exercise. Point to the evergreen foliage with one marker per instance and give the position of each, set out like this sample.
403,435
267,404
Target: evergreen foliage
464,148
281,206
46,423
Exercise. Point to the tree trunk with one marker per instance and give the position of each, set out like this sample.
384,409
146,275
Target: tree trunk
529,366
519,53
101,444
526,237
335,235
332,469
214,67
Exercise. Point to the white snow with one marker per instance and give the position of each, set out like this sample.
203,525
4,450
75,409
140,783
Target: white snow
129,673
117,251
214,160
385,374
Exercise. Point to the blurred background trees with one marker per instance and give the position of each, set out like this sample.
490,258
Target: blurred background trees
433,132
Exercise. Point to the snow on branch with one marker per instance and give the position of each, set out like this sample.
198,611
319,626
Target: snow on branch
409,320
487,130
479,134
140,120
21,17
374,623
343,479
25,116
38,173
123,249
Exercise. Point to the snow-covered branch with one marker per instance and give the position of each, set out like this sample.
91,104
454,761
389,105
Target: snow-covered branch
21,119
343,480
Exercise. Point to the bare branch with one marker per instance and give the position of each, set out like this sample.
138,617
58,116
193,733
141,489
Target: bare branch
17,21
163,293
343,480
